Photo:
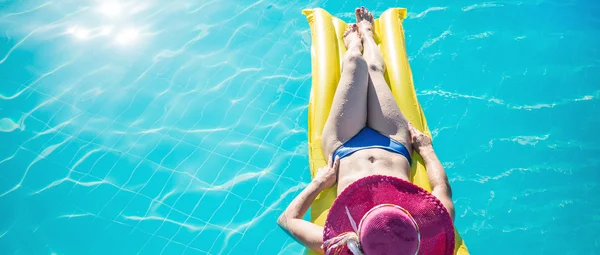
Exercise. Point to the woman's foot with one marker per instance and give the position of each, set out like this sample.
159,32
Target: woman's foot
352,38
365,21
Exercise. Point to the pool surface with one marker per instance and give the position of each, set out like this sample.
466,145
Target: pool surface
180,127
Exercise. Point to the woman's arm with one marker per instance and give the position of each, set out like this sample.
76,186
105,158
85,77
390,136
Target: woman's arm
305,232
440,186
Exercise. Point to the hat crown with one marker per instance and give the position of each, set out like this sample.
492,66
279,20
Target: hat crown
389,229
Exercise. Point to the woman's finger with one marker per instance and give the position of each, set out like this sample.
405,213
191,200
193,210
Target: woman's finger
330,160
321,170
336,163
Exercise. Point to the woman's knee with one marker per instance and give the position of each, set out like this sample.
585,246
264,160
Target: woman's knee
376,66
354,59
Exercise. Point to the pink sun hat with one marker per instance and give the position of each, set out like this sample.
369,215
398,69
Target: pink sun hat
395,217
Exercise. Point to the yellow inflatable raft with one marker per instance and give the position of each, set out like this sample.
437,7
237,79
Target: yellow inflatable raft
327,51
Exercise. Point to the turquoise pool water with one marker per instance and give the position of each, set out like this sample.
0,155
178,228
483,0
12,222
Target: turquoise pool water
179,127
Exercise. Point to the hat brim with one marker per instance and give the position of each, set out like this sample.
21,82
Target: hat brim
434,221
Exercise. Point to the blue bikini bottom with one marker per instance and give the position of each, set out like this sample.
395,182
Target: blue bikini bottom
368,138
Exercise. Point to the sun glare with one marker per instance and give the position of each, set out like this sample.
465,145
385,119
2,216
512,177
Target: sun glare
79,32
106,30
127,36
111,9
118,28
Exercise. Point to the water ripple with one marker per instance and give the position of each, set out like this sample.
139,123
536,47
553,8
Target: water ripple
481,5
425,12
496,101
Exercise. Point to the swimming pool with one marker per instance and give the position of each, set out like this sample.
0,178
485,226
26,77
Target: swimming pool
179,127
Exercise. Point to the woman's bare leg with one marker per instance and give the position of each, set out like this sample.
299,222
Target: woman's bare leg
384,115
348,113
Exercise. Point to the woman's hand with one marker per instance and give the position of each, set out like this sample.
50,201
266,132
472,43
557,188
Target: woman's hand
421,142
326,176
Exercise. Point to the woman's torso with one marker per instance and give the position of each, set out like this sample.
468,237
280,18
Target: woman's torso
369,162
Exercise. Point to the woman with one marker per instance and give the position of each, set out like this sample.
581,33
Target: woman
369,142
